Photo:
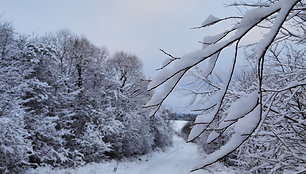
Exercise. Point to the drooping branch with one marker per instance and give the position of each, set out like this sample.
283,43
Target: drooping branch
194,58
219,103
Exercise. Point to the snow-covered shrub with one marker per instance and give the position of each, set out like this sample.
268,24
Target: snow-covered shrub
92,145
162,130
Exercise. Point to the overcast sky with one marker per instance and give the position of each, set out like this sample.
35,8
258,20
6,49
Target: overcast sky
140,27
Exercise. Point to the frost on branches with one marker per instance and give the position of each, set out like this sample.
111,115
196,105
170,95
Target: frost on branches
283,22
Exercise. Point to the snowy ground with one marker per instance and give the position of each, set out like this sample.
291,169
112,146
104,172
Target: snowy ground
179,159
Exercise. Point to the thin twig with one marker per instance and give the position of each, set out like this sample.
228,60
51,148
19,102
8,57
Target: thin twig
216,21
170,61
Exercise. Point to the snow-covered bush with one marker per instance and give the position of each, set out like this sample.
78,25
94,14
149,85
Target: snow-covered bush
162,129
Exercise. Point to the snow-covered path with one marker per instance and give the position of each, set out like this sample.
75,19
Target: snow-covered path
179,159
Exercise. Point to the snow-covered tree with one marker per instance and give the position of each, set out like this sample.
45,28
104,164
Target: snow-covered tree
247,111
79,96
40,120
140,134
14,146
7,42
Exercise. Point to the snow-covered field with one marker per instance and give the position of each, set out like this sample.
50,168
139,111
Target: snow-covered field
178,159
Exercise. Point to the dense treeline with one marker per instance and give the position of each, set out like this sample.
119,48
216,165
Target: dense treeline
65,102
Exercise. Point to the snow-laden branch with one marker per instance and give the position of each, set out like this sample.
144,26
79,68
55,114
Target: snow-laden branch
211,20
288,87
203,121
250,20
237,110
181,66
243,129
249,5
263,45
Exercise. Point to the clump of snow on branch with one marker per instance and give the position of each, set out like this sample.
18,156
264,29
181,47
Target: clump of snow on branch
210,20
243,128
242,106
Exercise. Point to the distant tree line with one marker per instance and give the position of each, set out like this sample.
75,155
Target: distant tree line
65,102
182,117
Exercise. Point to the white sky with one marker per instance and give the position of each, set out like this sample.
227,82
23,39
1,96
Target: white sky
140,27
